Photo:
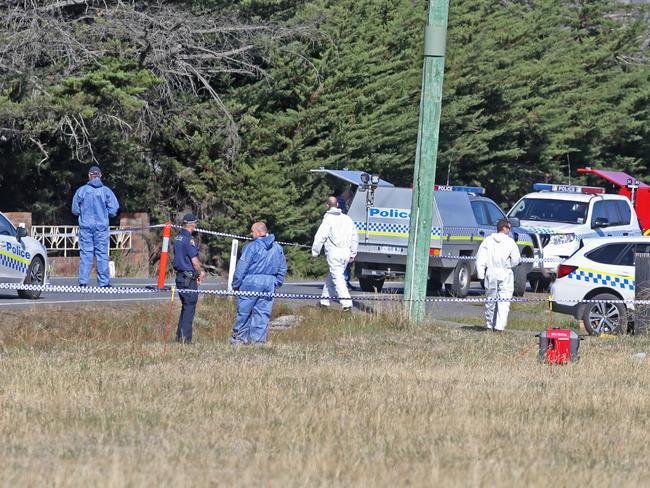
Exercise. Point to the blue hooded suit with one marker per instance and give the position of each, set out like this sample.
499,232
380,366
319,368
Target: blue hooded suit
261,268
93,203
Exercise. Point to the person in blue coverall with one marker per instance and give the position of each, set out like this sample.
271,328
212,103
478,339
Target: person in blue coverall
93,203
261,268
189,276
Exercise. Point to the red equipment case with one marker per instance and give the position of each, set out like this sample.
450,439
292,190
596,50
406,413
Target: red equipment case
558,346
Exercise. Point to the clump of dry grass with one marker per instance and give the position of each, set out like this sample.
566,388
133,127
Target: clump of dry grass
340,400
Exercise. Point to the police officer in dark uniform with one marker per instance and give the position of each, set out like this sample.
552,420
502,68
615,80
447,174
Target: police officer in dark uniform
188,276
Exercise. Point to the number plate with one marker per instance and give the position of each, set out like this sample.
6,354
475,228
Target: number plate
392,249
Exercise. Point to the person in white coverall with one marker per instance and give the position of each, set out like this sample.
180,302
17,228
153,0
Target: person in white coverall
338,234
496,257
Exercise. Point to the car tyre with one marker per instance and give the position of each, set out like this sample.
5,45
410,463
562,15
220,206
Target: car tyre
434,285
520,273
540,284
462,280
35,276
609,318
371,284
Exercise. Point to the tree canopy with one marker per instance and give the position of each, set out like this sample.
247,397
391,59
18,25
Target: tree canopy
222,108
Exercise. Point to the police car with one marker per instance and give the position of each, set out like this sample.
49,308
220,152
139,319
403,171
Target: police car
559,216
22,259
602,269
462,218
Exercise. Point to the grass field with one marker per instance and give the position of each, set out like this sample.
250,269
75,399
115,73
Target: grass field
92,400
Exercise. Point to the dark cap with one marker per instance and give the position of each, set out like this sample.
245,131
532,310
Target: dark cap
94,170
190,218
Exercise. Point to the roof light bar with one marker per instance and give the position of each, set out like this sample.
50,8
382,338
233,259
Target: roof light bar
567,188
466,189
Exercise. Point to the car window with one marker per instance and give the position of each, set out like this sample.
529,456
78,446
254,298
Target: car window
608,254
551,210
639,247
612,213
624,212
599,212
480,213
6,229
494,213
627,259
609,209
642,247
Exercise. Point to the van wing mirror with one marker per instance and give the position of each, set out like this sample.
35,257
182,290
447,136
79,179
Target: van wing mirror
515,222
600,222
20,233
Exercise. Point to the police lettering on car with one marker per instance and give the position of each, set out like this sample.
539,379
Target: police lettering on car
188,276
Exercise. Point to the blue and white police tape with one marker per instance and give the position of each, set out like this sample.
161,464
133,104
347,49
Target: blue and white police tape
238,236
125,290
523,259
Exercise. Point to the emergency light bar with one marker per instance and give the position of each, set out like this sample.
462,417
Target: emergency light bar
467,189
567,188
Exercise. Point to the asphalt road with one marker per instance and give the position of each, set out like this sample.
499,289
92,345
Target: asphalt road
9,299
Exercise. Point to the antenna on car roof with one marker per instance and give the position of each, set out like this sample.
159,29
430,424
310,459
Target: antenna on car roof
568,162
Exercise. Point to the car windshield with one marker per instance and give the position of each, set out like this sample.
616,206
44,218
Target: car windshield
551,210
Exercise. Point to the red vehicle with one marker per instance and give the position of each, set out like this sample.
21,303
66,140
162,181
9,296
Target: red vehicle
637,191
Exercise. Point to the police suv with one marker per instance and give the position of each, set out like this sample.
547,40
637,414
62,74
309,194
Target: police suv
462,218
22,259
602,269
559,216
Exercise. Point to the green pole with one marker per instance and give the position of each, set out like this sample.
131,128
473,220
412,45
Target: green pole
417,261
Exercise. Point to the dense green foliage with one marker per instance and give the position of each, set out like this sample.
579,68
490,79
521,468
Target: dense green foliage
531,89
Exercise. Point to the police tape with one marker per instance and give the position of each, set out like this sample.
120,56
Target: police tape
523,259
126,290
238,236
127,230
146,228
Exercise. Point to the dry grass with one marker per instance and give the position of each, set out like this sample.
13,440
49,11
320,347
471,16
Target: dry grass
337,401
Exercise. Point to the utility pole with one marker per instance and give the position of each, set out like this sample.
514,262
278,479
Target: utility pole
417,261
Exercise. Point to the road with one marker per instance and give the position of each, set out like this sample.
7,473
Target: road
9,300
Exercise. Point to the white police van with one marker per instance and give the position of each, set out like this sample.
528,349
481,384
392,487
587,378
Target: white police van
559,216
462,218
22,259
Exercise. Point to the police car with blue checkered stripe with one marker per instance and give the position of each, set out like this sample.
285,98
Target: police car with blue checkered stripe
602,269
560,216
462,218
22,259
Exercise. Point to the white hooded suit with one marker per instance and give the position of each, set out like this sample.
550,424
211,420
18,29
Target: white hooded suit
496,257
338,234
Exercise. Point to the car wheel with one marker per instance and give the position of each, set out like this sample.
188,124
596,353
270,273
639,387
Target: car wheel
520,273
540,284
434,285
35,276
462,280
605,317
371,284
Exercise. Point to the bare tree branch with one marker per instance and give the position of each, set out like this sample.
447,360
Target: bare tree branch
43,43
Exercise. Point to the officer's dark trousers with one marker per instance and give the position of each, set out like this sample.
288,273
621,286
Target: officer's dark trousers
184,330
253,313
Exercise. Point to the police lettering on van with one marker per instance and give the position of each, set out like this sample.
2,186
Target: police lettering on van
389,213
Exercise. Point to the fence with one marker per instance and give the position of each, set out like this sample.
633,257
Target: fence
65,238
